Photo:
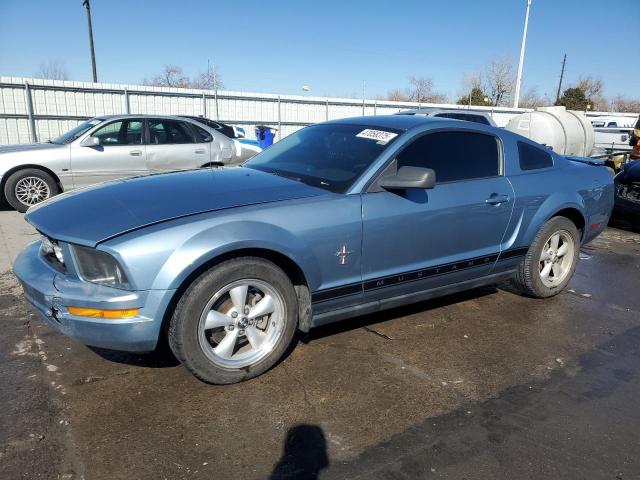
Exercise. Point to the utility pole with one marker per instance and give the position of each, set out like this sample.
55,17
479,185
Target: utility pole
364,87
564,60
93,53
516,97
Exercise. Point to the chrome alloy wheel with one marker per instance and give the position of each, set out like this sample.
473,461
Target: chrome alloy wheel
241,324
557,258
31,190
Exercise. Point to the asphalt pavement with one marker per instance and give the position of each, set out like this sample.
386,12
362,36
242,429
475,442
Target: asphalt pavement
481,385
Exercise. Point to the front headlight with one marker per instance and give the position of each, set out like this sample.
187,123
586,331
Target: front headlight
99,267
50,248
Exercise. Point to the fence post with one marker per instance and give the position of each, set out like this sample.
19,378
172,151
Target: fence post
32,123
204,105
215,97
375,107
127,106
326,110
279,121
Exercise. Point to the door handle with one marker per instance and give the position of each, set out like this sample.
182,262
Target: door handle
496,199
199,150
135,153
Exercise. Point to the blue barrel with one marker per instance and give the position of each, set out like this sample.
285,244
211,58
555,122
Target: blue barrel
265,136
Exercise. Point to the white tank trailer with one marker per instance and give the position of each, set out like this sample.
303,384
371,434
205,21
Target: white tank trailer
566,131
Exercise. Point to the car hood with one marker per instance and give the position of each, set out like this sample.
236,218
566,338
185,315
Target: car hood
95,214
28,147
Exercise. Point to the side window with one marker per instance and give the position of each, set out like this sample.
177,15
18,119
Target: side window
203,135
532,158
123,132
454,156
164,132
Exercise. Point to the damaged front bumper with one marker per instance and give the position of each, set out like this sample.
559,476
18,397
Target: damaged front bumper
52,292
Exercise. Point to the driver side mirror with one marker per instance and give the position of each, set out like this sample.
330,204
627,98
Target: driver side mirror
410,177
90,142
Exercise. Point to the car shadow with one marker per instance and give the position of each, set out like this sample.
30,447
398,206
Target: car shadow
162,357
394,313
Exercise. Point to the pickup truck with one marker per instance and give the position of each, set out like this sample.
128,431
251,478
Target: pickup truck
339,219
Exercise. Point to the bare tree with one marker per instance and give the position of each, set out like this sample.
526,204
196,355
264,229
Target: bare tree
171,76
209,80
53,70
531,99
397,95
625,105
499,80
471,80
421,90
593,89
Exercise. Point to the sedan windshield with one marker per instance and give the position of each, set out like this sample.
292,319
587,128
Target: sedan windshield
329,156
74,133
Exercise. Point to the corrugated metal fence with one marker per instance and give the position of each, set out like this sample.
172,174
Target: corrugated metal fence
35,110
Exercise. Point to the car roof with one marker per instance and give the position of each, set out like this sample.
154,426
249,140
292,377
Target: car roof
144,115
431,110
398,122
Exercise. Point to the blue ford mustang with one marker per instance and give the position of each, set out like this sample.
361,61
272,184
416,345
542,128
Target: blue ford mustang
339,219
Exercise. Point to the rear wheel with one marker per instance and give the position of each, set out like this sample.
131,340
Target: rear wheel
29,187
551,259
235,321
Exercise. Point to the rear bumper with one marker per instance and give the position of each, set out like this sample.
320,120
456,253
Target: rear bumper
51,292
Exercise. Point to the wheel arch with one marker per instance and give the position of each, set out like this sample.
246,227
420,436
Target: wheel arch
575,215
289,266
27,166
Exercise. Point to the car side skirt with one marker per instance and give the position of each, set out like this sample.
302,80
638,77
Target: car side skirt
400,300
504,265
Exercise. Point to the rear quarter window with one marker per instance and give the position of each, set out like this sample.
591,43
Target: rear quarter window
533,158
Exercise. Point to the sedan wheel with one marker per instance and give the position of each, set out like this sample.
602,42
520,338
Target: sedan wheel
29,187
241,323
31,190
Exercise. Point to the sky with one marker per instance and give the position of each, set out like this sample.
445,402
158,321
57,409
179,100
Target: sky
331,46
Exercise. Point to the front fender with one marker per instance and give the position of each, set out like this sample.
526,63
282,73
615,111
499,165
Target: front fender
222,239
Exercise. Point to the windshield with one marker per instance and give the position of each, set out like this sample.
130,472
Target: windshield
74,133
329,156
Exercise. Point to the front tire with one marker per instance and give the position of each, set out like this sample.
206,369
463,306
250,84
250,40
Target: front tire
235,321
551,259
29,187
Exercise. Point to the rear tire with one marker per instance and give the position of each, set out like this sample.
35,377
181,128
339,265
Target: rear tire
29,187
235,321
551,259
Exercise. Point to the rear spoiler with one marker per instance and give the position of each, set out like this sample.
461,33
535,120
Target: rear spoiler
599,162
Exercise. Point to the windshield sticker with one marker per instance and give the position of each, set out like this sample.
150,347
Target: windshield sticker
381,136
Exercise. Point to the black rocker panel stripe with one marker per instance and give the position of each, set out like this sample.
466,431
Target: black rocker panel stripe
382,282
428,272
331,293
514,252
